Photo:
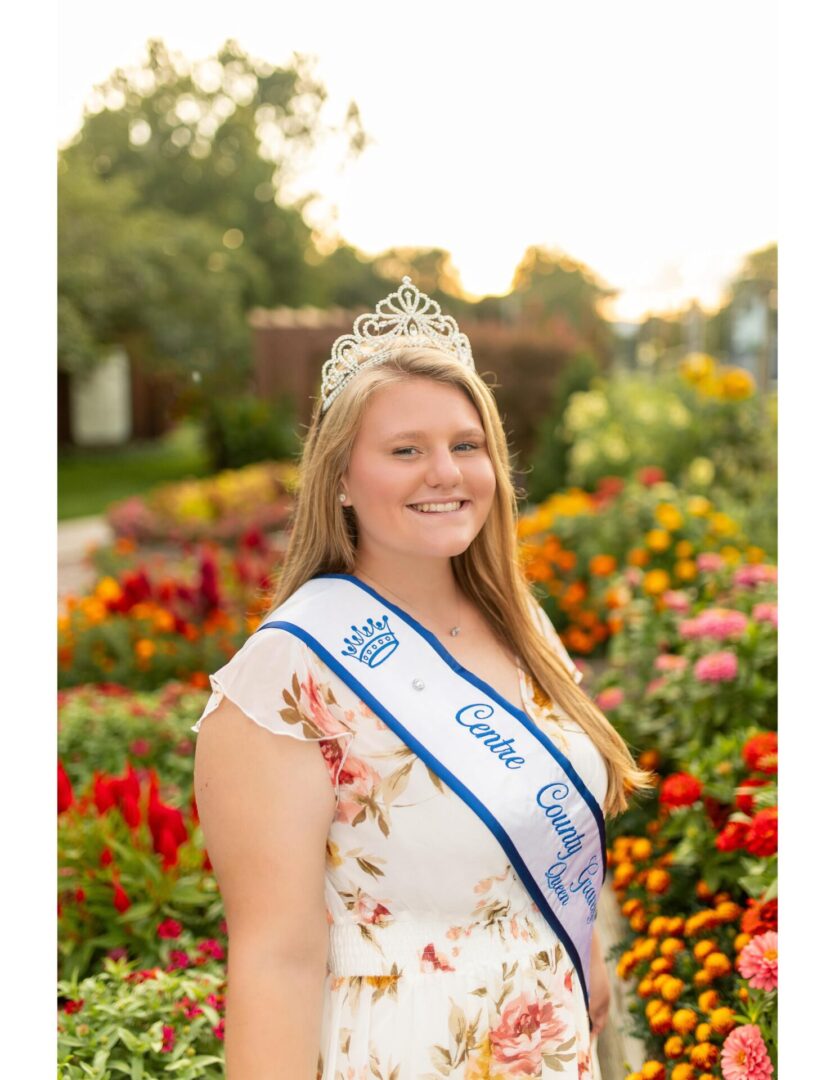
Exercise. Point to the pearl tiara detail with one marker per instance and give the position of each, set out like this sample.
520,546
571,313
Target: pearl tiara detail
404,318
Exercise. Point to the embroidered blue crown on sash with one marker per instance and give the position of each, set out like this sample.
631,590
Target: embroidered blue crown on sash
376,647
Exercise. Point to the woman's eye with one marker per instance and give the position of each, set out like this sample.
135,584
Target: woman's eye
403,451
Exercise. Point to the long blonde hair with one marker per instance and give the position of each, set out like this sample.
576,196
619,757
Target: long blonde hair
324,537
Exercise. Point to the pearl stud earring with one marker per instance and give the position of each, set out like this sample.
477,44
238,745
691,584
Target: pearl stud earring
342,496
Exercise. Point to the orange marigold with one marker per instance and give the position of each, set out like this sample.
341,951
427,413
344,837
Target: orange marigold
602,565
653,1070
629,907
704,1055
670,946
672,990
727,911
704,948
683,1071
656,582
708,1000
675,925
641,849
674,1047
658,881
144,649
661,1020
684,1020
703,1032
718,964
661,965
722,1020
702,978
645,988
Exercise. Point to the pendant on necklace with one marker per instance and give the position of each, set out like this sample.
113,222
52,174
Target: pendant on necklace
455,631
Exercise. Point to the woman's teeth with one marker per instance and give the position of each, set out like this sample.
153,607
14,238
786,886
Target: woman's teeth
436,508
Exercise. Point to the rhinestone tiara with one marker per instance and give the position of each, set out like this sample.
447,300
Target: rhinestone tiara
406,317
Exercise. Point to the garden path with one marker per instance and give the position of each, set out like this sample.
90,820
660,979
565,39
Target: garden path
75,538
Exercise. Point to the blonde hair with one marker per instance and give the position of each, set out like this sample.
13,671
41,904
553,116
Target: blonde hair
323,540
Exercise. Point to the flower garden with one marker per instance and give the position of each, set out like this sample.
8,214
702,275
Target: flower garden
659,570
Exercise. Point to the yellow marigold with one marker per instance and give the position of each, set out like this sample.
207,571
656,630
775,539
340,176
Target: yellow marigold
730,554
144,649
602,565
164,621
684,1020
645,987
108,589
64,623
704,1055
630,906
661,1020
704,948
754,554
717,964
634,1076
641,850
657,540
703,1032
672,989
683,1071
740,941
696,367
658,881
625,965
142,611
722,1020
623,845
703,890
708,1000
669,516
670,946
727,911
94,610
702,978
675,925
649,759
698,505
721,524
656,582
652,1007
742,993
736,384
646,949
674,1047
685,569
683,549
661,964
653,1070
658,926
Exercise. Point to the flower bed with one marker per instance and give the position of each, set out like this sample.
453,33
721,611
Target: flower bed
223,507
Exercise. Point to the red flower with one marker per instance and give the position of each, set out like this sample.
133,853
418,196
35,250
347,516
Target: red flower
122,792
169,1037
680,789
220,1030
762,834
121,901
733,837
650,475
758,918
760,752
167,826
178,959
211,947
717,812
72,1006
106,857
169,928
65,796
745,793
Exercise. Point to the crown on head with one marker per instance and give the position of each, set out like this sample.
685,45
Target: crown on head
406,317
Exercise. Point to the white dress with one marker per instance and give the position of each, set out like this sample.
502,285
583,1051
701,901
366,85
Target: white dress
440,964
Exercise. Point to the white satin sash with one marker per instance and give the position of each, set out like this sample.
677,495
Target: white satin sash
487,751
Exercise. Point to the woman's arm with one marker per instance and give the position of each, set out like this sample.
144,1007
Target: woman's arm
266,804
599,989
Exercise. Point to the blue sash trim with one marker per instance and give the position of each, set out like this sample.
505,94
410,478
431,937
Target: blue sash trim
522,717
440,770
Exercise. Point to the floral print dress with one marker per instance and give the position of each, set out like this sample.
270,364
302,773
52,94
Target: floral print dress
440,965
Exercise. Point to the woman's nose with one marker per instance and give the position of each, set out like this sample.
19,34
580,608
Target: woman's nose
443,470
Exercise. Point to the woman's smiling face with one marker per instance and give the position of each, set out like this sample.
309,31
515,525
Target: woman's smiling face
421,443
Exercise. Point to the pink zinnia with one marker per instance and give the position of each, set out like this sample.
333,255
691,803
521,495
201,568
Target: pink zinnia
610,698
766,613
744,1055
709,561
676,600
169,1037
655,684
758,961
717,623
717,667
754,573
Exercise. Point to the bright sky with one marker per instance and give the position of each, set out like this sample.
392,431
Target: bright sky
638,137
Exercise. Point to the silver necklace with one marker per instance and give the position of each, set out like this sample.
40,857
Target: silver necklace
454,631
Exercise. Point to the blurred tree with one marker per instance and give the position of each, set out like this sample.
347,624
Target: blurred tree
148,279
219,140
548,284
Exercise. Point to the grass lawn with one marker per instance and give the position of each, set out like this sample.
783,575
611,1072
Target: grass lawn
88,480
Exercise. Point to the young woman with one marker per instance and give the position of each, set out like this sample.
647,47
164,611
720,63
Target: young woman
410,879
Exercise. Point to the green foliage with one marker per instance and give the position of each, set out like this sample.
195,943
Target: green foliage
243,430
549,465
119,1028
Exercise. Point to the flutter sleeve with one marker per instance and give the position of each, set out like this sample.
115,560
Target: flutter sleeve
551,635
272,681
